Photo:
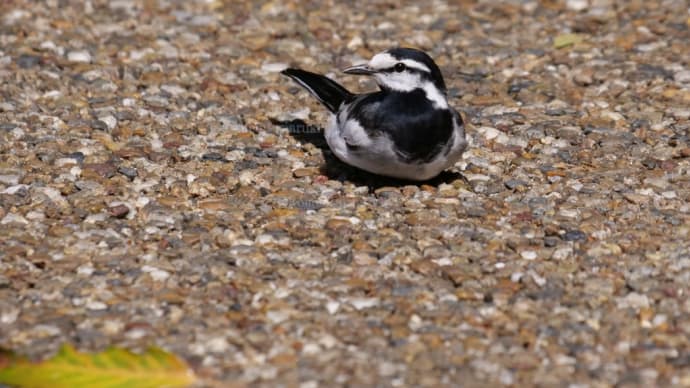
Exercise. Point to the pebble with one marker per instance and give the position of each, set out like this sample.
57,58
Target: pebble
12,218
577,5
332,307
9,180
96,305
634,300
364,303
26,61
682,76
79,56
128,172
156,274
574,235
274,67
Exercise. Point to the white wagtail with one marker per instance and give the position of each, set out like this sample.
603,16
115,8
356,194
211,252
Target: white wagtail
406,130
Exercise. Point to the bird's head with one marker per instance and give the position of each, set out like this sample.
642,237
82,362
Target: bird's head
403,70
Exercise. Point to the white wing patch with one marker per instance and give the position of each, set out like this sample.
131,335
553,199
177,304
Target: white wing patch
354,134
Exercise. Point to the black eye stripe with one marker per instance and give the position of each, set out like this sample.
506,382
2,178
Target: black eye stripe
407,68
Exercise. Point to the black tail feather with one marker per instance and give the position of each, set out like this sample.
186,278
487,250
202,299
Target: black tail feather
328,92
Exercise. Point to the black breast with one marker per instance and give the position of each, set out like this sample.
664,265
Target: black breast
418,130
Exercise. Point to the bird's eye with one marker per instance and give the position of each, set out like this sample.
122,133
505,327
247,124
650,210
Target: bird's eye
399,67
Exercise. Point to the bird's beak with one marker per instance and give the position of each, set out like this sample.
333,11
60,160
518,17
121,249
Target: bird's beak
360,70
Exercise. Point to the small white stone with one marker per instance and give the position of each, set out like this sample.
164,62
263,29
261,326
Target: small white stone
95,218
8,317
217,345
85,270
562,253
659,320
14,189
328,341
48,45
156,274
112,326
12,218
649,47
96,305
577,5
35,215
54,195
46,331
669,194
75,172
302,114
136,334
364,303
277,316
79,56
13,16
52,94
611,115
387,369
569,213
355,42
443,262
528,255
415,323
311,348
9,180
309,384
680,114
489,132
682,76
174,90
274,67
61,162
136,55
332,307
246,178
109,120
575,185
633,300
264,239
142,201
539,280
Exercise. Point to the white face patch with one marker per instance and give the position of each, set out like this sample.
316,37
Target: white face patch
401,82
405,81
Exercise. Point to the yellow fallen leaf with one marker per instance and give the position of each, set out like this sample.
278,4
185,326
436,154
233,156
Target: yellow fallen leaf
565,40
113,367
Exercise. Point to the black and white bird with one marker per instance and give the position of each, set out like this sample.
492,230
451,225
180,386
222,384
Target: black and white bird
405,130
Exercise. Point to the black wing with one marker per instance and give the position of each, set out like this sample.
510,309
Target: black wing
418,130
328,92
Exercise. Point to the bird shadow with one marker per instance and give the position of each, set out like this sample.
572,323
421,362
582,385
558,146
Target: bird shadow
335,169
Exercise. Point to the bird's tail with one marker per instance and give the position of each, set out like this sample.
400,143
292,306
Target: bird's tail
328,92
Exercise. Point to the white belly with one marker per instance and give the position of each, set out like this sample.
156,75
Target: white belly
377,155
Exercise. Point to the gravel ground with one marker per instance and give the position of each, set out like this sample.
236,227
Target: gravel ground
161,183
